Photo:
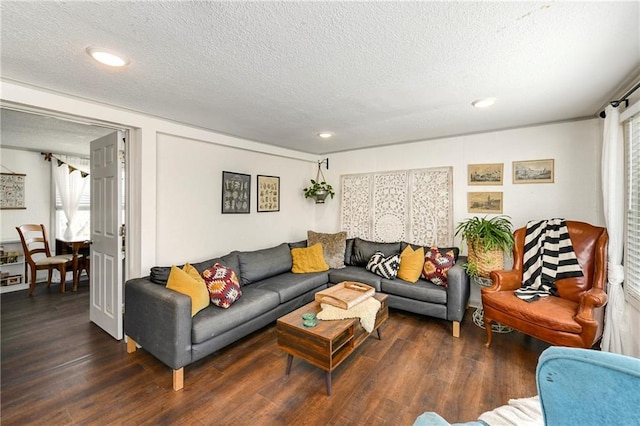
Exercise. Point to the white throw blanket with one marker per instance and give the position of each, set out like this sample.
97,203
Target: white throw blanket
519,412
365,310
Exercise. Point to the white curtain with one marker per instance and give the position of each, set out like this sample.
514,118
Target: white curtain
71,186
613,201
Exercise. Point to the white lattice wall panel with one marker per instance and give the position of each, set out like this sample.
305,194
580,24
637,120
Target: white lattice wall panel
407,205
356,199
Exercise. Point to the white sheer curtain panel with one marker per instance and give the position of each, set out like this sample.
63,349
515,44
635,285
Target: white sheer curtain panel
70,186
613,201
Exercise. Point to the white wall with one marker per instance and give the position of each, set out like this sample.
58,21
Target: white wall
190,226
142,222
575,147
37,192
575,193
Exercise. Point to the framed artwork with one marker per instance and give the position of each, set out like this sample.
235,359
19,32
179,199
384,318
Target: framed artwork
268,193
533,171
484,202
12,191
485,174
236,192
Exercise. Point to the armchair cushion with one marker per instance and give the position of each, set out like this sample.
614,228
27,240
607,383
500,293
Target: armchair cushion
549,312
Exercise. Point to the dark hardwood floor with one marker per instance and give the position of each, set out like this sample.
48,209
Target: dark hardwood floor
58,368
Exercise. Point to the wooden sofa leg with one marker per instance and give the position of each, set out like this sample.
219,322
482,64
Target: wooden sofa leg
131,345
178,379
456,329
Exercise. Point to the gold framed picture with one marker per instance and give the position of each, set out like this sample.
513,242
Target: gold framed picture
484,202
533,171
485,174
268,193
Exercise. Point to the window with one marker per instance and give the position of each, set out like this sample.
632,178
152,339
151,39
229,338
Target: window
632,240
82,218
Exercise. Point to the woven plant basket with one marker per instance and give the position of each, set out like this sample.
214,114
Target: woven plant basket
485,261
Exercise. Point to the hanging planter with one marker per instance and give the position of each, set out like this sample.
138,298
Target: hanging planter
319,189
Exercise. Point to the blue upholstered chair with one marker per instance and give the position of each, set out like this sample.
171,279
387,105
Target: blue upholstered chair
578,387
586,387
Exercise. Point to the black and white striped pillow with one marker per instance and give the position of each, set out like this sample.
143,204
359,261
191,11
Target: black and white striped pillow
386,267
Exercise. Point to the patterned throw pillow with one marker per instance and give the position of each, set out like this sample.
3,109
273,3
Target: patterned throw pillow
333,246
223,285
386,267
436,265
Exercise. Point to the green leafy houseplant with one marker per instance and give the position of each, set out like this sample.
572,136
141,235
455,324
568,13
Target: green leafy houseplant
319,191
487,241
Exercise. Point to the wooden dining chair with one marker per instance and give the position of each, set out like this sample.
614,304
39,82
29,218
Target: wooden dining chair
83,263
38,255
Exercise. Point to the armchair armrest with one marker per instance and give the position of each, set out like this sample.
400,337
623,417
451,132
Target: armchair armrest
458,290
159,320
504,280
594,298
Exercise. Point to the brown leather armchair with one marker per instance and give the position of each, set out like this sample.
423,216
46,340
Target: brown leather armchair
574,318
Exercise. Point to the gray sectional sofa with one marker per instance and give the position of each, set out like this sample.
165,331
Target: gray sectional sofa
159,320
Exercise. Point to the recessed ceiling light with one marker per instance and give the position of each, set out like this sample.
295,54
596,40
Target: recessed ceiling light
107,57
483,103
325,135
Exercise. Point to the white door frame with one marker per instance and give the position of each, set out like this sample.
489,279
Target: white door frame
132,208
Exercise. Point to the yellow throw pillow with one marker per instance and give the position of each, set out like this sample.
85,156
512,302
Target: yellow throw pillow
308,259
193,273
411,263
183,281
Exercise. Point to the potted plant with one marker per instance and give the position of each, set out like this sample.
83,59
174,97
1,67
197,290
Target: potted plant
487,241
319,191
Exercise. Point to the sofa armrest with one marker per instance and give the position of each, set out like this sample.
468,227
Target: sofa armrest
159,320
458,289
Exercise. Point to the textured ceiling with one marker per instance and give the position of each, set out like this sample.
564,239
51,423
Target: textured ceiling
47,134
373,73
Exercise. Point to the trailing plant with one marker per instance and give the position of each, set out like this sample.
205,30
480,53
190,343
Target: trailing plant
487,234
316,187
471,268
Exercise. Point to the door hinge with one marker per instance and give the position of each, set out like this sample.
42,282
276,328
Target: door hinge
123,230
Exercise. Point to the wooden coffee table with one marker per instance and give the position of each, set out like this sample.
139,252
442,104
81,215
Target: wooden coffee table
327,344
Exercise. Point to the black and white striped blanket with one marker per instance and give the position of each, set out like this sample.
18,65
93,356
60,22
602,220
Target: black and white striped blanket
548,256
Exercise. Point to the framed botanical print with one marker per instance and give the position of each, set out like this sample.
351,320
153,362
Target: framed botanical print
268,193
12,191
236,193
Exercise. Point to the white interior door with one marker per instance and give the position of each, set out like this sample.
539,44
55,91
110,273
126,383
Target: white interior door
106,285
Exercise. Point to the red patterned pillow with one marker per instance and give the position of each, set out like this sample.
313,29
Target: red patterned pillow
436,265
223,285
